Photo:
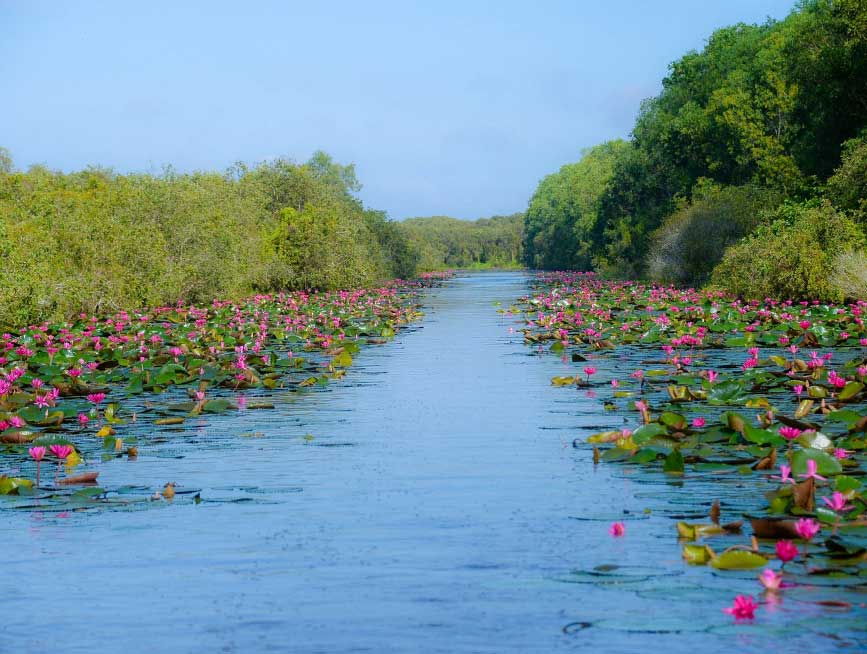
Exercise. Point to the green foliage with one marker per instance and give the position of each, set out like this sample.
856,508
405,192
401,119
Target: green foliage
847,187
760,106
96,241
443,242
692,240
563,211
790,256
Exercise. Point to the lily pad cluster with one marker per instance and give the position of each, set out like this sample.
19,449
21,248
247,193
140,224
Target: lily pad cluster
70,392
710,386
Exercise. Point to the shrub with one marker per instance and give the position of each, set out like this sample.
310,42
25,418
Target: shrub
850,274
692,240
792,256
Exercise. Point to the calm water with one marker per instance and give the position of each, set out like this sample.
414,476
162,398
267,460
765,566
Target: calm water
440,507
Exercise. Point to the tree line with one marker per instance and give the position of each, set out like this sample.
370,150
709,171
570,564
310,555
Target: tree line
96,241
748,170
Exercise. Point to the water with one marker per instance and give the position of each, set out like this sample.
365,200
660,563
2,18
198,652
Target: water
439,507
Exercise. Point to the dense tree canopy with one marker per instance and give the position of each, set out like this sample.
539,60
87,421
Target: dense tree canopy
773,109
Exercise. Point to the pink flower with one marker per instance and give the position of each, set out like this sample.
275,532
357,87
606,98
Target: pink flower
790,433
641,405
698,422
840,453
96,398
200,395
711,376
615,383
61,451
770,579
744,608
785,474
799,389
807,528
589,370
16,421
812,467
38,453
805,324
786,550
837,502
617,529
83,419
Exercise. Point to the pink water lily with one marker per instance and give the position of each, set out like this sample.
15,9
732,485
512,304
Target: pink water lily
698,422
838,502
770,579
744,608
790,433
61,451
37,454
785,474
807,528
812,471
786,550
617,529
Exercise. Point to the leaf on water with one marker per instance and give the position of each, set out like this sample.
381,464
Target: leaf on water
697,554
673,463
738,560
826,464
169,421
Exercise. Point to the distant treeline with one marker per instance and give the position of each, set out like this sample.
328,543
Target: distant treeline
444,242
748,170
98,241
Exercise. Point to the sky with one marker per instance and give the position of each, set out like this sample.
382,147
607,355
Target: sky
445,107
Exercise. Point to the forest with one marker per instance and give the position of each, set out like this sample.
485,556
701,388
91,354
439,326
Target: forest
443,242
752,158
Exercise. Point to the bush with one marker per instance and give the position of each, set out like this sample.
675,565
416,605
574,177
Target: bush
692,240
792,256
850,274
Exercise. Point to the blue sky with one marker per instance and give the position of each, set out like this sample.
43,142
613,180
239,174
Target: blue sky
454,108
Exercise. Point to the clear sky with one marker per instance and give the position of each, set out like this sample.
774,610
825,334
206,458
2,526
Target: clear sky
446,107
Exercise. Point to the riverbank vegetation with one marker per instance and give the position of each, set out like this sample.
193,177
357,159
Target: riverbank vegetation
445,243
96,241
752,147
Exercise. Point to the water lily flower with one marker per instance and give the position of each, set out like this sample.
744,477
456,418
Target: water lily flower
837,502
37,453
744,608
96,398
840,453
811,473
698,422
617,529
83,419
770,579
61,451
805,324
589,371
807,528
785,474
712,376
790,433
16,421
799,389
786,550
